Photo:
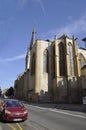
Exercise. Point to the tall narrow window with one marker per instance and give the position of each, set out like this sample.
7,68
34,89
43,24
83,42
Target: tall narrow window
82,60
45,61
71,62
62,59
54,61
33,65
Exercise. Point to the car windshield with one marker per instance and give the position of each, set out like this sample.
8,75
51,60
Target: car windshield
13,104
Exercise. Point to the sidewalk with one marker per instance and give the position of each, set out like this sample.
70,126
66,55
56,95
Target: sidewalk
71,107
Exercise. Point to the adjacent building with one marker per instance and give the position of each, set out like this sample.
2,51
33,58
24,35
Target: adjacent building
52,71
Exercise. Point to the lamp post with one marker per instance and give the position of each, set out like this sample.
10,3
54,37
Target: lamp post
84,39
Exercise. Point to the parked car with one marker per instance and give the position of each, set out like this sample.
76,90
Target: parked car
13,110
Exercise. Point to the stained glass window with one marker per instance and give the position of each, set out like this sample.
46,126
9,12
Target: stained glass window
45,61
62,59
71,61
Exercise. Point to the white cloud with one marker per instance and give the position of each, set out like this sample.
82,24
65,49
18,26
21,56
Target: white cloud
74,28
40,2
19,57
41,5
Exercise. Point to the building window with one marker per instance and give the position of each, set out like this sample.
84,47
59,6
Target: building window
45,61
71,62
33,65
54,61
82,60
62,59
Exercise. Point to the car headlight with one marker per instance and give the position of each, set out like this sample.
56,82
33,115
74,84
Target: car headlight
7,112
25,112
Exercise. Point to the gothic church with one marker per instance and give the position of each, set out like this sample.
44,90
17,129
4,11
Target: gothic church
52,71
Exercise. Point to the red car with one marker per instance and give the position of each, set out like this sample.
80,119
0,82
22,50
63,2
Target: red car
13,110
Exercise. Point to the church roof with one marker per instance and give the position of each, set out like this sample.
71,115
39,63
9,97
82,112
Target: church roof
63,36
82,51
84,39
83,67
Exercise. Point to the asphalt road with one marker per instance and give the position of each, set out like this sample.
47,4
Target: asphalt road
54,119
42,118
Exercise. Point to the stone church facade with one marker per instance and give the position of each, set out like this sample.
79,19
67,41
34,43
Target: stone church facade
52,71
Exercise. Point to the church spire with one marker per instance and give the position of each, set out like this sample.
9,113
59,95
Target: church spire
33,39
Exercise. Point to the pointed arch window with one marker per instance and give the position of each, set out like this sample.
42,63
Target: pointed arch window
71,61
62,59
33,65
46,61
82,60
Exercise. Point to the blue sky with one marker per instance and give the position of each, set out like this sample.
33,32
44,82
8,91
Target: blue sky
17,19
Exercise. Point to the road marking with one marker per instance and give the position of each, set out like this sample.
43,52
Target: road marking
55,110
19,126
12,127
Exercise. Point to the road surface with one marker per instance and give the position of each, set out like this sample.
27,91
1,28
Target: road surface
42,118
